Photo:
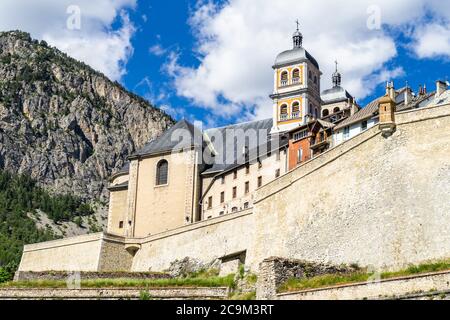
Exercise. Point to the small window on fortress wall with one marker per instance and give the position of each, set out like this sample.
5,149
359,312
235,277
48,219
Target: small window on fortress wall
162,169
209,202
120,224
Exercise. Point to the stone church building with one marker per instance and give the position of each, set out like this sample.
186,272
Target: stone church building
170,182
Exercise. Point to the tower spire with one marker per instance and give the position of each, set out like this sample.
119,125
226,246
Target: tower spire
297,37
336,78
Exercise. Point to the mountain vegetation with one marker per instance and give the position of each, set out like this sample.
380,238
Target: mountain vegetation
20,195
64,130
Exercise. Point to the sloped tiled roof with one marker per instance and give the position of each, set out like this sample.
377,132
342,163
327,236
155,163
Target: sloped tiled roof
365,113
179,136
224,146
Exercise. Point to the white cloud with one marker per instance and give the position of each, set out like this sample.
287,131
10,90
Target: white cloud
96,42
157,50
432,40
238,41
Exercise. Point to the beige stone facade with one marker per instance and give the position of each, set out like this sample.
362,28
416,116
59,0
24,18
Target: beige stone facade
234,190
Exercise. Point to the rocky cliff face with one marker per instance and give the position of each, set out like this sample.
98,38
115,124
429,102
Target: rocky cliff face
65,124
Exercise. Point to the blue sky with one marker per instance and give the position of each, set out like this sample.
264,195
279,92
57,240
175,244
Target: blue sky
211,60
167,28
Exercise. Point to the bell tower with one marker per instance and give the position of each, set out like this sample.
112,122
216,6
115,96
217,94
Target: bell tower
296,90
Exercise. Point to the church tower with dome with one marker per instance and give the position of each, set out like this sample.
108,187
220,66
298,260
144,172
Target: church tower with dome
296,94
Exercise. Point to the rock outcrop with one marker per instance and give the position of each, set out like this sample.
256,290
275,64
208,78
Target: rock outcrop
63,123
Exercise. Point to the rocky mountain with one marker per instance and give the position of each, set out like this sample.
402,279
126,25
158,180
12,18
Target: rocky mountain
63,123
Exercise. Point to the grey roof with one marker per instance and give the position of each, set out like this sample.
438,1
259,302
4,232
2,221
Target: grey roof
444,98
326,124
335,94
365,113
230,146
179,136
120,186
416,102
295,55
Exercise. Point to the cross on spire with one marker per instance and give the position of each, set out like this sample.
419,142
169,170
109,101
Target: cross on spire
298,37
336,78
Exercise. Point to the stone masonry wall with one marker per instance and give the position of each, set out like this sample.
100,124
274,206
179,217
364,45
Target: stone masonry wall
372,201
410,287
275,271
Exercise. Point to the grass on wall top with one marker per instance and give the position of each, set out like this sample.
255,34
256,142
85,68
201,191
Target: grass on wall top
327,280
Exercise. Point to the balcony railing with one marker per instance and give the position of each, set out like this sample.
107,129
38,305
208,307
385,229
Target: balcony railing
284,116
295,115
284,83
295,80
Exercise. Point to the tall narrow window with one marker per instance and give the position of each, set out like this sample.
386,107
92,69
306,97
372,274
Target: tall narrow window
259,182
299,155
247,187
346,132
277,173
296,109
284,78
234,192
296,76
235,174
210,203
247,168
162,169
222,197
284,112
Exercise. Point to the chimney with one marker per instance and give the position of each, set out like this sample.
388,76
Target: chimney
408,96
441,87
392,91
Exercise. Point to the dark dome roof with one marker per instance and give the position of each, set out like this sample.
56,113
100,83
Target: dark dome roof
293,56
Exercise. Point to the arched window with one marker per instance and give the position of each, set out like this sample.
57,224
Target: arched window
162,169
325,113
284,78
296,109
284,112
296,76
336,110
